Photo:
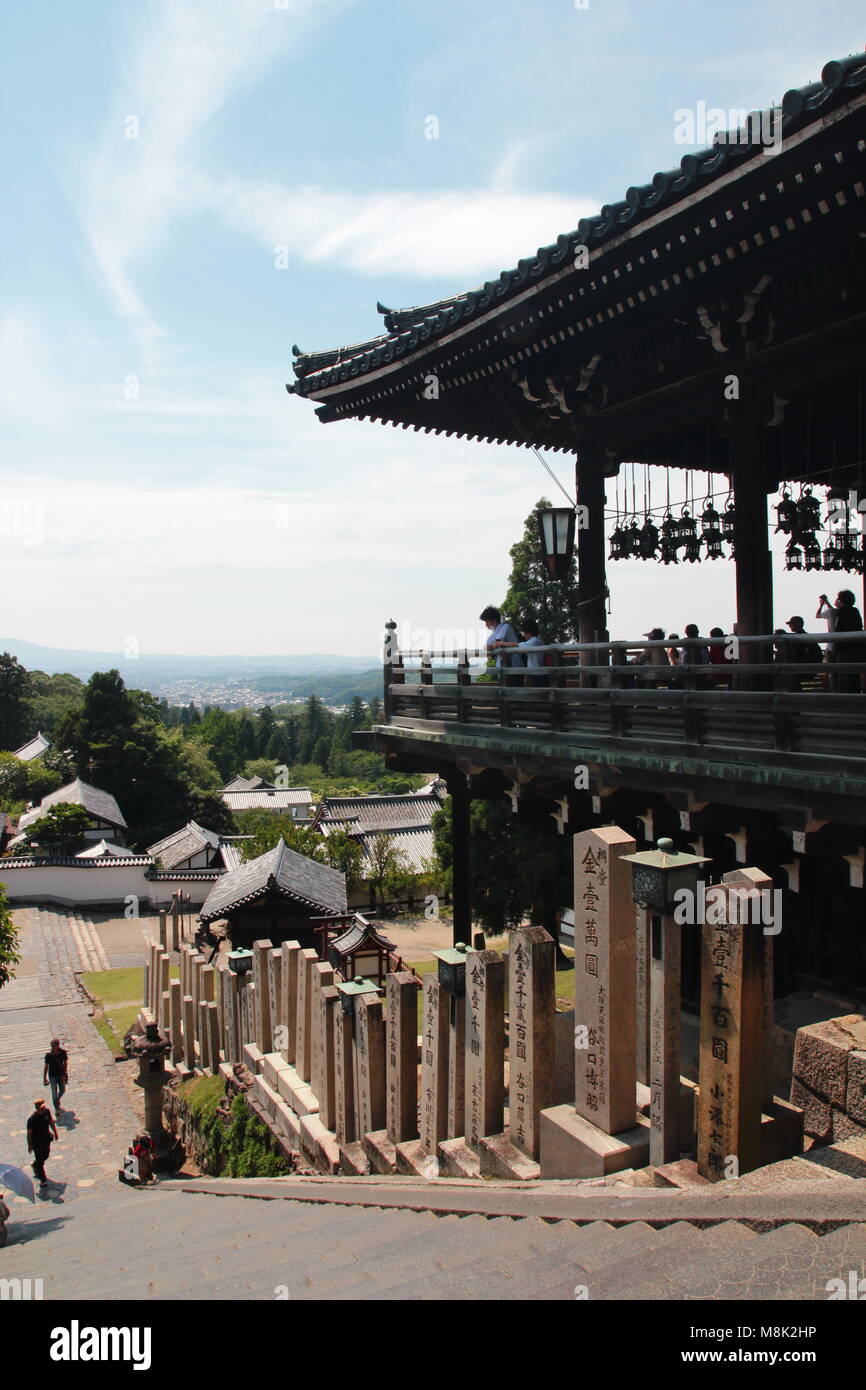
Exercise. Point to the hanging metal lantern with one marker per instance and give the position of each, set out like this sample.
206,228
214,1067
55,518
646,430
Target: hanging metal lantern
711,526
793,557
786,515
618,542
670,540
728,523
632,539
686,527
692,549
715,550
834,553
649,540
811,553
808,512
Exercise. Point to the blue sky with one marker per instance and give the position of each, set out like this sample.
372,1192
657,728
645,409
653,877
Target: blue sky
156,481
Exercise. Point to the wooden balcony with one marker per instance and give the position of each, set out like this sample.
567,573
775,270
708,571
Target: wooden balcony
753,729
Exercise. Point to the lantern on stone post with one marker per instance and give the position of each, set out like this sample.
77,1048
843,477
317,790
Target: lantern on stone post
350,991
663,880
556,529
150,1053
452,969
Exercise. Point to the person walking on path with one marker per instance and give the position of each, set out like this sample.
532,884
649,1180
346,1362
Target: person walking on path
55,1073
40,1128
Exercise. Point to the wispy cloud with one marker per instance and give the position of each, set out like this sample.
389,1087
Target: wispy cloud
440,234
187,57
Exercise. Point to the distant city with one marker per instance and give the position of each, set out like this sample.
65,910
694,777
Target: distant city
232,682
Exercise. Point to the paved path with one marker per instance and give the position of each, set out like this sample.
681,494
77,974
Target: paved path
43,1002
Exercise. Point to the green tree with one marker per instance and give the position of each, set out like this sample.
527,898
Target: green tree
342,852
119,745
61,830
9,956
266,829
387,871
265,725
14,709
552,603
521,867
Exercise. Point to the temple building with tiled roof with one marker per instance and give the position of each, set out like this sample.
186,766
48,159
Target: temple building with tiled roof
107,822
274,896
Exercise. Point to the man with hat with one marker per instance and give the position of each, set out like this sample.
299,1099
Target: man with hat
653,656
799,652
40,1128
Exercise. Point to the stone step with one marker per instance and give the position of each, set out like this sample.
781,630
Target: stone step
720,1273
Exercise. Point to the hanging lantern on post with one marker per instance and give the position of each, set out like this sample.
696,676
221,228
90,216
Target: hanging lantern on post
556,528
728,523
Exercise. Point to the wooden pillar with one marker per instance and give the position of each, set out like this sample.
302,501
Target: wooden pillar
461,859
754,561
591,550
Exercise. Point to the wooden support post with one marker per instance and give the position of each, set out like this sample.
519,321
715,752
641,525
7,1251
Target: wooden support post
591,551
461,859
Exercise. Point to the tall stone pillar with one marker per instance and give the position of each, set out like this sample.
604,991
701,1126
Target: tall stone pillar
176,1015
276,976
665,1008
189,1032
531,1043
456,1121
642,1011
485,1045
213,1036
604,979
732,1042
304,1034
434,1064
370,1064
330,1008
262,979
401,1004
322,976
163,932
290,952
344,1079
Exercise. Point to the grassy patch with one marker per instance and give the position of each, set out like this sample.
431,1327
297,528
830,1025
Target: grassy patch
108,1035
238,1147
124,986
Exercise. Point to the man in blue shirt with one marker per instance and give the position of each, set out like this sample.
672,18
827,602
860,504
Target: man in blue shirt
502,635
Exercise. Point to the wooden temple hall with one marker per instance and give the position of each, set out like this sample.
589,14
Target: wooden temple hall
711,322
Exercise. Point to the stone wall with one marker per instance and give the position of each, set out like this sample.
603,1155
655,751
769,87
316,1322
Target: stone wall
830,1078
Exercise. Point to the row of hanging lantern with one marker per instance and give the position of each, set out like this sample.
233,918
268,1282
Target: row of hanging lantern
843,548
688,537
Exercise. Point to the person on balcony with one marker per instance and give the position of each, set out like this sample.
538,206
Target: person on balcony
695,656
654,656
800,653
843,617
536,662
502,636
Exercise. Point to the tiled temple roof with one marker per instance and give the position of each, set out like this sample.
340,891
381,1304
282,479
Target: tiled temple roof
409,329
98,803
281,871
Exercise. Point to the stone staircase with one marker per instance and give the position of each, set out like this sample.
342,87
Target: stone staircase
773,1235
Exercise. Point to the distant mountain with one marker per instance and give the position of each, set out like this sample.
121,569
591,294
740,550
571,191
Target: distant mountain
156,666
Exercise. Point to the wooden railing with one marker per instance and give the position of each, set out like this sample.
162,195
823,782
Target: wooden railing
605,692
